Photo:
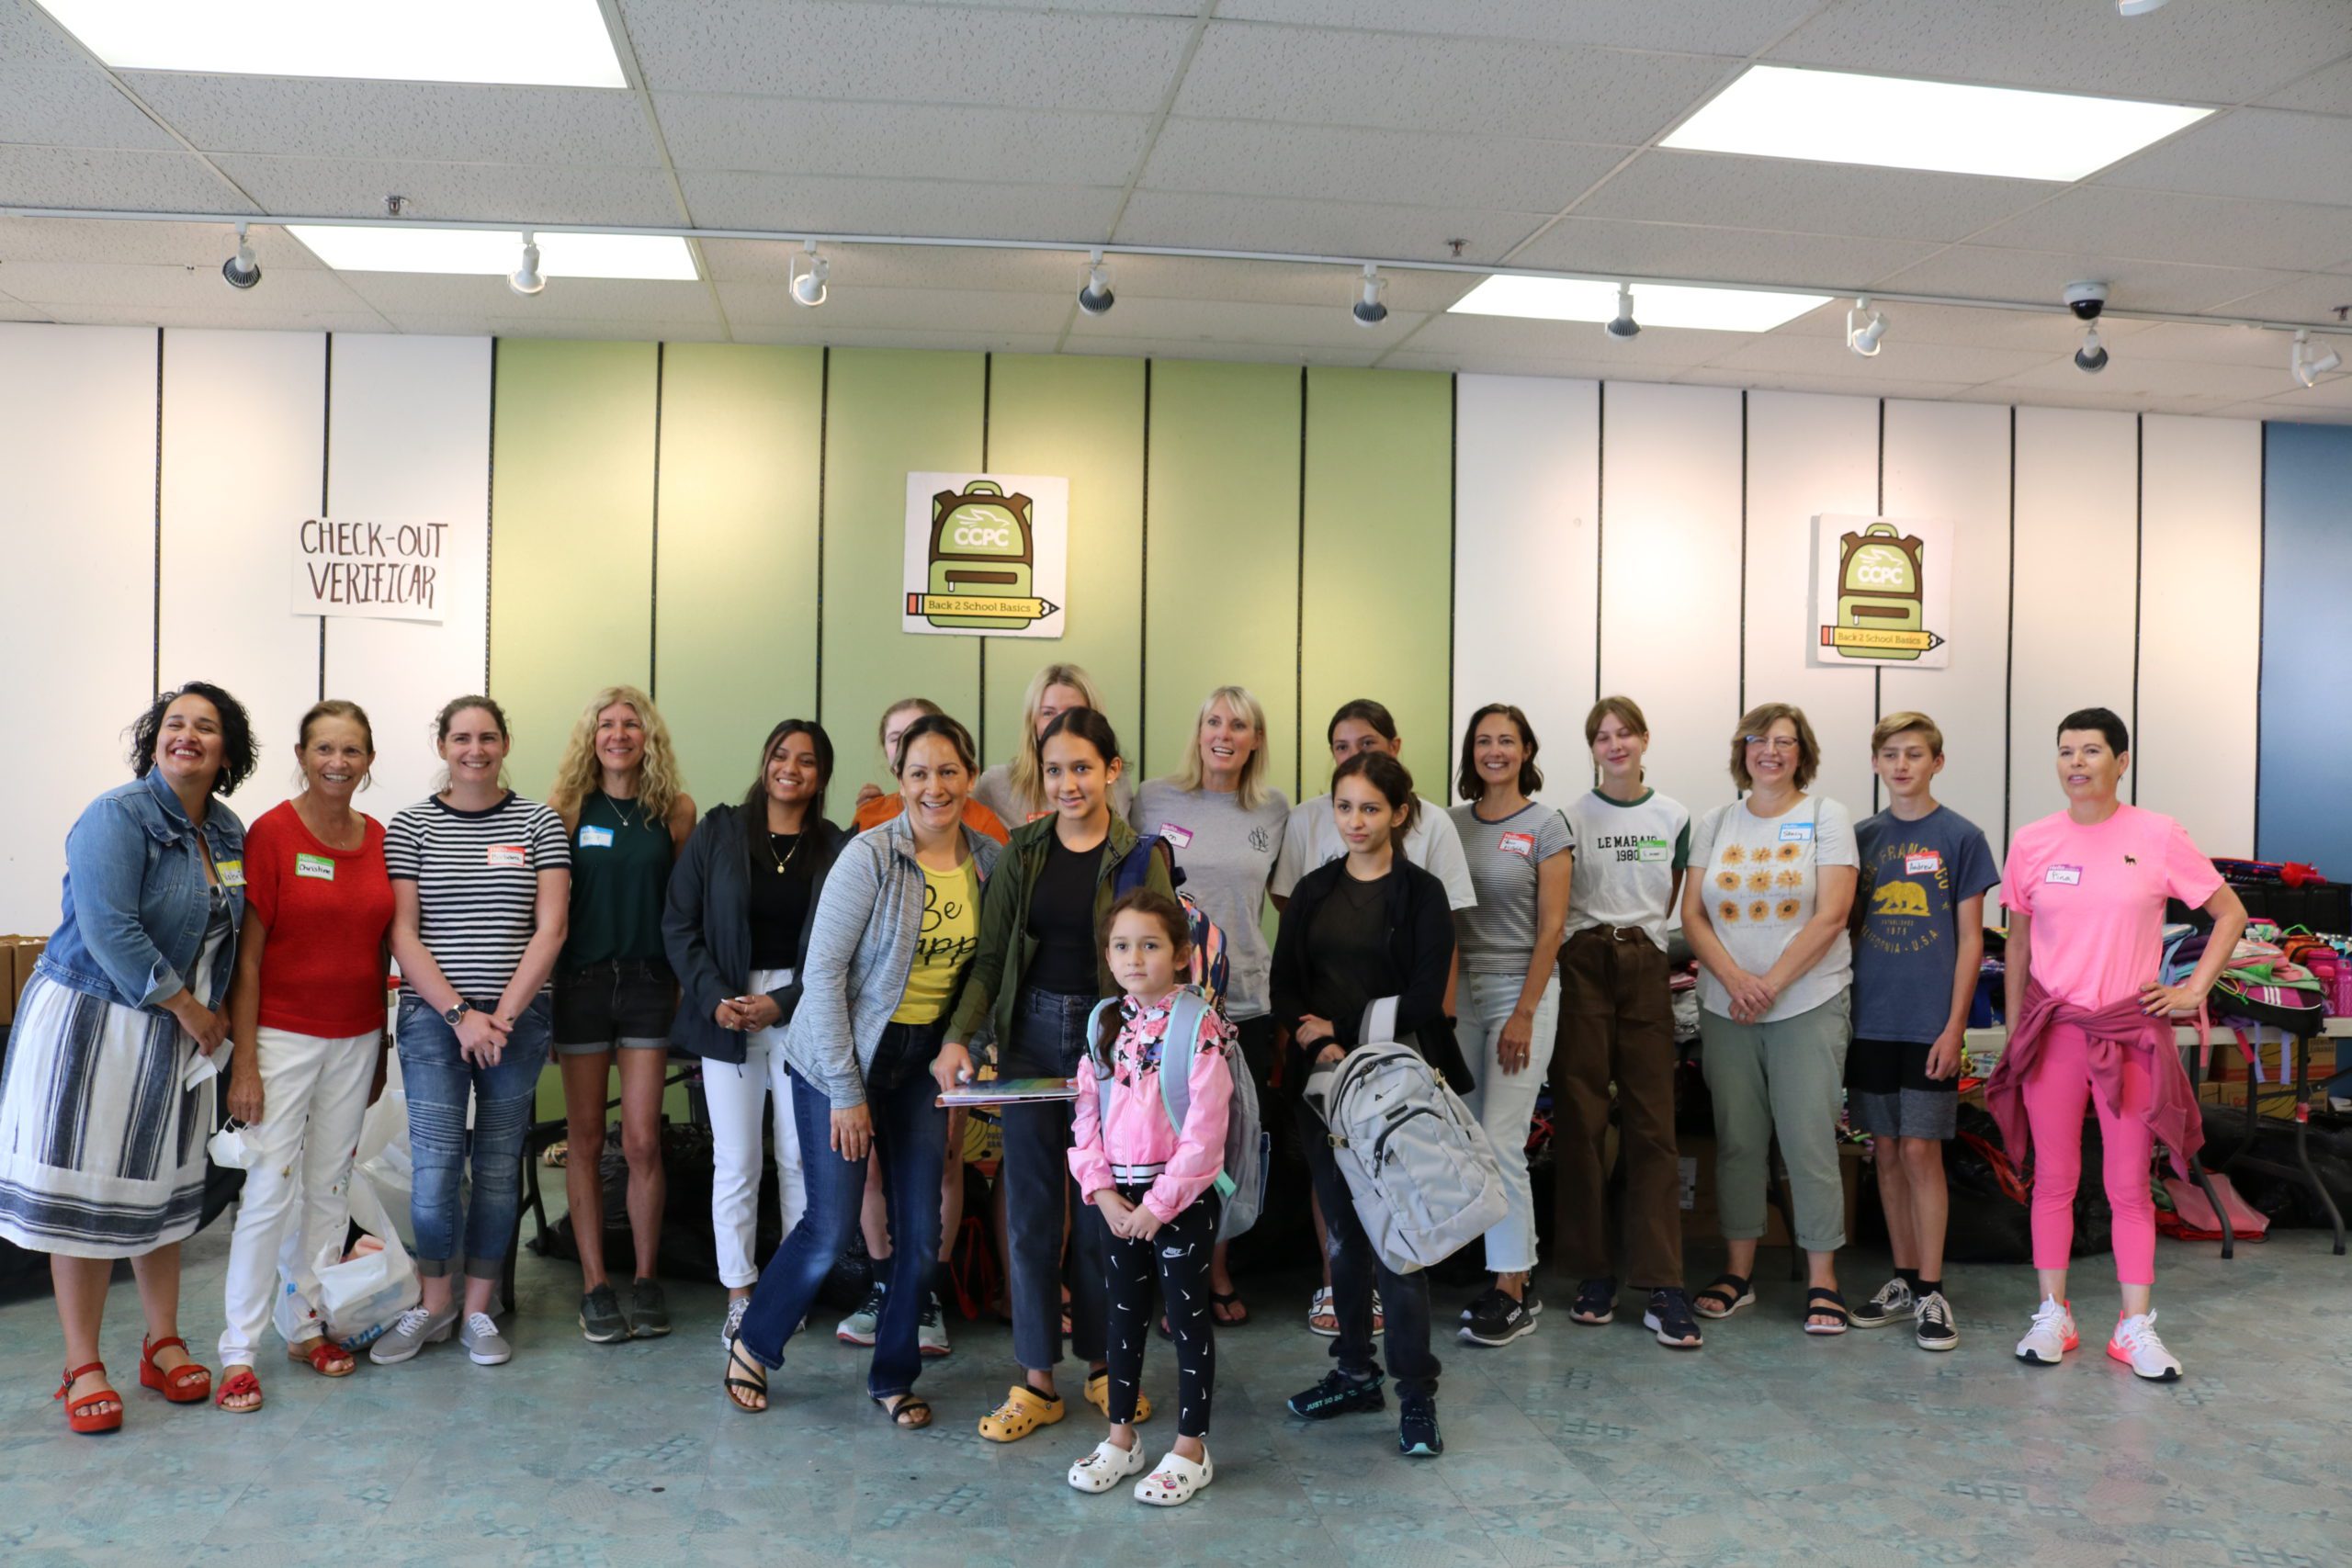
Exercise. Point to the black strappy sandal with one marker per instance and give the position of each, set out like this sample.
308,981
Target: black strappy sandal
1724,1296
741,1360
1820,1302
909,1412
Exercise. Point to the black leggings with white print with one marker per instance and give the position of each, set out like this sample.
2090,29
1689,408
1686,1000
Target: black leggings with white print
1179,1257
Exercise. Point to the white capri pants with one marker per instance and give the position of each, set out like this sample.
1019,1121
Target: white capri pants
737,1095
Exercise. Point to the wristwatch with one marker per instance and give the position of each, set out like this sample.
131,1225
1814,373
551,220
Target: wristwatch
456,1013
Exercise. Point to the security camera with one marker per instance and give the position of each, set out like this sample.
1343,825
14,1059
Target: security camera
2087,299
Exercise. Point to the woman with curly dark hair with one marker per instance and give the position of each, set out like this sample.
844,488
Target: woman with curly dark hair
108,1091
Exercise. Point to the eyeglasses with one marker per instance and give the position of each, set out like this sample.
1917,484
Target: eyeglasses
1777,742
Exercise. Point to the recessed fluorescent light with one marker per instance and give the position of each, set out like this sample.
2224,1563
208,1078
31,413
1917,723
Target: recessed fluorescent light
1655,304
547,44
492,252
1836,117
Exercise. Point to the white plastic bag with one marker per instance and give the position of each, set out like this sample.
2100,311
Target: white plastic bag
363,1294
382,1160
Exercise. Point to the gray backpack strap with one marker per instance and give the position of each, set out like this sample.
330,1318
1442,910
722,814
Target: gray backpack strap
1178,1049
1379,1021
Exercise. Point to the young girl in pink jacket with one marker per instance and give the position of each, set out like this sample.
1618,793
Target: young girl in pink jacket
1154,1185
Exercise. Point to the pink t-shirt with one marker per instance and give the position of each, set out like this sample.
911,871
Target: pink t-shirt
2096,896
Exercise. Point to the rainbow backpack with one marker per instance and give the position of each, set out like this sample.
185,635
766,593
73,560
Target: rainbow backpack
1211,969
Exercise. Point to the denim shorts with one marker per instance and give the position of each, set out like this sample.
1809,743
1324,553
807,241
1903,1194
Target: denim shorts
622,1001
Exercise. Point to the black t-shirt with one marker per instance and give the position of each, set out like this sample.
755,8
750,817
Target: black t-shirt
1061,920
779,900
1348,963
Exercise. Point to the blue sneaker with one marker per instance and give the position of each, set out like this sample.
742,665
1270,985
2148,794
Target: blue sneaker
1417,1433
1338,1394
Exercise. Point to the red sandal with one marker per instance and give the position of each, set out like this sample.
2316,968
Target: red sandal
186,1384
83,1415
326,1358
238,1386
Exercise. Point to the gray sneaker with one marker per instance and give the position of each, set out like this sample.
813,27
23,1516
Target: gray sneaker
482,1341
931,1329
649,1309
600,1317
412,1332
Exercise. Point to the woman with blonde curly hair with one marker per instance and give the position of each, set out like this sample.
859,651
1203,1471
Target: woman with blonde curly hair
1015,791
627,814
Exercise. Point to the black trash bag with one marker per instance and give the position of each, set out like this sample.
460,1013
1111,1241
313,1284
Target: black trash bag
688,1250
2284,1200
1991,1220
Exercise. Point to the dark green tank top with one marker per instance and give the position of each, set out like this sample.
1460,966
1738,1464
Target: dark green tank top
620,875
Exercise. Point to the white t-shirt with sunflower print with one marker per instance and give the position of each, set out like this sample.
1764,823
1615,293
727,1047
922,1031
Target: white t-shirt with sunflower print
1761,877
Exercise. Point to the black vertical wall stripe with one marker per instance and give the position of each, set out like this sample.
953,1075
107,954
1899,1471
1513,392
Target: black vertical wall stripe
1453,531
1878,671
653,609
1299,671
988,399
1743,555
1143,593
2009,650
489,516
2139,569
326,470
824,444
2261,610
155,610
1599,518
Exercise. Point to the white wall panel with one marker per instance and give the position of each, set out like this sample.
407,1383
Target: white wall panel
77,518
2077,537
2200,618
1808,455
1669,575
245,423
1952,461
1527,559
409,440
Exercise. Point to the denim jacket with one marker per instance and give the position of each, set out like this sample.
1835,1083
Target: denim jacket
136,901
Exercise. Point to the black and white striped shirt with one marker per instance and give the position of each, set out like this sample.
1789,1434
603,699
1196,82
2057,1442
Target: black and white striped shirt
477,875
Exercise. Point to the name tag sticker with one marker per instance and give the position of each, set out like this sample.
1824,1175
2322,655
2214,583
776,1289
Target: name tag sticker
317,867
232,872
509,854
1519,844
1796,833
2064,875
1925,864
1181,837
1655,850
595,837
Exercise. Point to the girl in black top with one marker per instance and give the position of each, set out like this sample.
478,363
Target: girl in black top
1364,927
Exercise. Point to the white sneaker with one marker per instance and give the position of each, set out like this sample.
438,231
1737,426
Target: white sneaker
1107,1466
931,1329
735,1311
2052,1335
858,1328
2136,1345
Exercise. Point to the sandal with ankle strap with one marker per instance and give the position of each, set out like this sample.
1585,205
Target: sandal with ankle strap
1725,1295
740,1360
325,1358
237,1385
1821,1301
905,1412
188,1383
83,1415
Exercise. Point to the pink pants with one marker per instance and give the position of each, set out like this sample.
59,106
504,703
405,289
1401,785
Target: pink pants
2054,1097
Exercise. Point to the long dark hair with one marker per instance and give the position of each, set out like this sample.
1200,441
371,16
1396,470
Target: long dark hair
237,754
1467,783
1087,726
1394,783
755,799
1363,710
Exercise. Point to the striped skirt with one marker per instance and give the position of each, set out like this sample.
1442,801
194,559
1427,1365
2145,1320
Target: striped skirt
101,1146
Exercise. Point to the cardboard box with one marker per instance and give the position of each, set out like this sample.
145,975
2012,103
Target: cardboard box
1702,1217
17,957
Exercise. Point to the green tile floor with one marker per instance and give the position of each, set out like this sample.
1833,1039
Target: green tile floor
1574,1445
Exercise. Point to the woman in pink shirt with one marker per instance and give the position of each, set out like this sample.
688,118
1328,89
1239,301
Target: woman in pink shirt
1154,1185
2089,1022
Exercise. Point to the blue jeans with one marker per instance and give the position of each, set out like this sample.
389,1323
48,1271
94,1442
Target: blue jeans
439,1084
911,1134
1049,1042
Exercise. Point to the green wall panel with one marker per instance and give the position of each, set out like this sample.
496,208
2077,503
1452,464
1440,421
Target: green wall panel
1378,556
1081,418
1222,557
735,629
572,536
889,412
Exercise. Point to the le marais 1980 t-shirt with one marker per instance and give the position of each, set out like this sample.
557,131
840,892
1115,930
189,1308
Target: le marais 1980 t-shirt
1914,876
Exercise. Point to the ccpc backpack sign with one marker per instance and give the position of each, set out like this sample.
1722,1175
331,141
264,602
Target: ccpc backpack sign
1881,594
986,555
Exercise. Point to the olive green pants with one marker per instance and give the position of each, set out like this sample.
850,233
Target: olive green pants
1787,1078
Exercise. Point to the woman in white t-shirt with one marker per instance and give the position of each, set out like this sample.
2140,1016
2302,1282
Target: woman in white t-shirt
1015,791
1765,909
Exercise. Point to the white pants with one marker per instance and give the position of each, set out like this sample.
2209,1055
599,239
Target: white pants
1504,1103
314,1095
736,1096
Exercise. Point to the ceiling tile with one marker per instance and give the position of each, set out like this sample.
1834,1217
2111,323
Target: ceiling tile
824,49
1980,272
128,243
828,205
1321,228
2134,378
436,121
1899,358
1801,381
1401,168
76,177
785,330
2313,300
62,283
1281,283
2041,332
2336,392
1301,75
766,262
2202,53
2159,225
637,330
1577,243
350,187
30,37
2327,91
921,309
1232,324
2262,153
71,106
1700,27
1819,198
1661,349
2216,345
1249,354
611,298
225,314
801,136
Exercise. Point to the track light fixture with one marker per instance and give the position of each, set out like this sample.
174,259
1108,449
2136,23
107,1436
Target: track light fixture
1865,328
241,271
1624,326
807,287
2091,358
1368,310
2137,8
527,279
1095,296
2307,370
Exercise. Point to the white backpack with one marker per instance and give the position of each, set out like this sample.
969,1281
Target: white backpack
1417,1163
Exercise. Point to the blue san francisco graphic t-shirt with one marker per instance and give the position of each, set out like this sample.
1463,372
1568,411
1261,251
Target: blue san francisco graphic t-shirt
1915,876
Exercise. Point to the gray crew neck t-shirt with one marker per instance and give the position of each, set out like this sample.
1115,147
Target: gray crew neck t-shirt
1497,933
1228,856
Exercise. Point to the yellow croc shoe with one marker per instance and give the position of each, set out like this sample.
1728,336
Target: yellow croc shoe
1024,1411
1098,1394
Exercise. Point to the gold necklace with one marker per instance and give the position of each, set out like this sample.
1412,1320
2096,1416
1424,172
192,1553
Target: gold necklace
781,862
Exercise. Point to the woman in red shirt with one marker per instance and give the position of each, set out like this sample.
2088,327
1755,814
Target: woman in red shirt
306,1012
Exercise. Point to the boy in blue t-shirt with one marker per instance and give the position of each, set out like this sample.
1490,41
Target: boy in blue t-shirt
1918,945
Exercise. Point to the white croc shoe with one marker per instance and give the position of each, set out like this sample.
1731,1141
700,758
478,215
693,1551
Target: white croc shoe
1104,1468
2136,1345
2052,1335
1174,1480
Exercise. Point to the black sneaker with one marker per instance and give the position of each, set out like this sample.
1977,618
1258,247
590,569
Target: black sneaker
649,1309
1500,1320
1417,1433
1339,1394
1595,1302
1893,1301
1936,1330
1478,1303
1670,1319
600,1317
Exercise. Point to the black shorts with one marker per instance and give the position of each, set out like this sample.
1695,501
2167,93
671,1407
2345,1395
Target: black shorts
625,1002
1890,1095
